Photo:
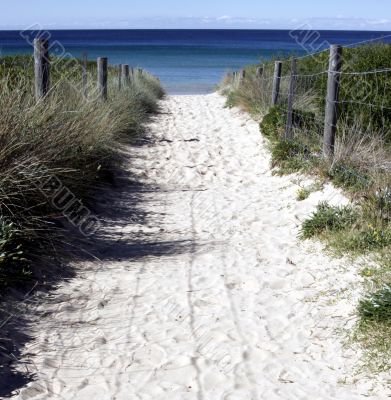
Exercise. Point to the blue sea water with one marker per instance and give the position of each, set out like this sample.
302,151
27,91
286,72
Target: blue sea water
186,61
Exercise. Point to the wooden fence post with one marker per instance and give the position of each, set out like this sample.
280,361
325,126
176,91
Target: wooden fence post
46,71
291,96
259,72
41,67
119,76
242,76
125,75
84,74
102,77
237,79
276,82
331,114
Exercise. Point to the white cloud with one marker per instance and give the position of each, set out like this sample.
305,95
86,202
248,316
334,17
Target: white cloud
224,18
223,21
378,22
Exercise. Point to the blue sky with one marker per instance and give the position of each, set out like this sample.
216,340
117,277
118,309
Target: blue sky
252,14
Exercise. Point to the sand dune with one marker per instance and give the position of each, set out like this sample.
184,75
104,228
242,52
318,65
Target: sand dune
212,296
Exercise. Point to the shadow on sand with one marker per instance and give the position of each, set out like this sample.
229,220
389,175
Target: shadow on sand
120,204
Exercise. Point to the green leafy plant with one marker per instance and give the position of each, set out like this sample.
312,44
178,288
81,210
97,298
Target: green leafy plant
380,203
286,149
290,156
273,123
369,238
328,218
303,194
349,178
377,306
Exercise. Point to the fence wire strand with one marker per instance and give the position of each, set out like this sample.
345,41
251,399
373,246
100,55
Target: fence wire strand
364,104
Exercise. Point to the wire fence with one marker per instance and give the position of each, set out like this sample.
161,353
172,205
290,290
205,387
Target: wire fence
330,102
93,80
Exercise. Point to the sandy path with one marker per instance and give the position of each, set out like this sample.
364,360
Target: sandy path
225,304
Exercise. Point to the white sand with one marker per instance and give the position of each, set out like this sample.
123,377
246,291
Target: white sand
239,310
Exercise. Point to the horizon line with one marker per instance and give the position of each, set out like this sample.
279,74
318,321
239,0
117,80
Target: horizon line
198,29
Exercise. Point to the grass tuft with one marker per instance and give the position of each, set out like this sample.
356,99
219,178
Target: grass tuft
328,219
303,194
377,306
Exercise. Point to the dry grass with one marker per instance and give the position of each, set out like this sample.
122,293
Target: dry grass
252,94
359,145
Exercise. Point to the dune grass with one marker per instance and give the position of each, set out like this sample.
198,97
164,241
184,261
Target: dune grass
328,219
361,166
65,135
373,330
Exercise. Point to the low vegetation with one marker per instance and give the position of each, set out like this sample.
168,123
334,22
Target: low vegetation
305,192
327,220
361,166
67,136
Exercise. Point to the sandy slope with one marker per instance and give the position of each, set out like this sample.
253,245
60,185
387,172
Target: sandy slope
223,302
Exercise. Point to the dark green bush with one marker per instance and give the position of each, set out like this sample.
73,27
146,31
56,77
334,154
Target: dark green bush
305,120
357,89
328,218
273,123
370,238
286,149
231,100
377,306
350,178
291,156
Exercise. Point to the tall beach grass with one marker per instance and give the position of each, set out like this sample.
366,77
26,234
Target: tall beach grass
65,135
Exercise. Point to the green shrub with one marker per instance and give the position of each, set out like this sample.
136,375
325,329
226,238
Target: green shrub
273,123
305,120
284,150
373,328
290,156
350,178
369,88
380,203
377,306
231,99
370,238
303,194
328,218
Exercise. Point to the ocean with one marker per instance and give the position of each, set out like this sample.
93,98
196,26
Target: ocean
187,61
